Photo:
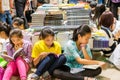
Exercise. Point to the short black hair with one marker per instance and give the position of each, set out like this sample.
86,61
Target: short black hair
41,1
6,28
93,4
45,32
19,21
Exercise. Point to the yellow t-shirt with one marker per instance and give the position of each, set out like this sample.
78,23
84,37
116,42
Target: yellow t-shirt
40,47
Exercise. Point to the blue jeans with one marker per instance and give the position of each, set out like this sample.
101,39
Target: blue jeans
6,17
50,63
101,2
73,1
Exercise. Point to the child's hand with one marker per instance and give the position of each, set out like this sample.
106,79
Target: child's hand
102,64
43,55
18,46
82,45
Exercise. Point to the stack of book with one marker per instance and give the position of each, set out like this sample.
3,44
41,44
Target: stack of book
38,18
53,19
77,16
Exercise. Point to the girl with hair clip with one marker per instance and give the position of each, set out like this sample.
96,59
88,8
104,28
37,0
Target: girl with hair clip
46,55
78,54
20,65
106,24
4,34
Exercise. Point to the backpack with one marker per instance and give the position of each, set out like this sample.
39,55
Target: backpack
115,1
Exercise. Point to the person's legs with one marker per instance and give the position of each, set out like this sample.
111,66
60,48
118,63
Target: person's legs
20,6
9,17
45,64
66,75
114,9
84,75
58,62
90,72
2,17
23,68
10,70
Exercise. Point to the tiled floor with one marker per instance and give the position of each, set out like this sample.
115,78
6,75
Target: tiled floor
110,74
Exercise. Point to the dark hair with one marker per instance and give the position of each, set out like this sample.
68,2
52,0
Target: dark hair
6,28
100,8
16,32
89,1
41,1
93,4
82,30
106,19
45,32
19,21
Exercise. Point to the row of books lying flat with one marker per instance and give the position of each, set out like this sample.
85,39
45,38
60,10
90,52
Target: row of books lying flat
77,16
47,19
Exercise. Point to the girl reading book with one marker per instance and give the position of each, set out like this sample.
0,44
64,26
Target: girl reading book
46,54
20,65
78,54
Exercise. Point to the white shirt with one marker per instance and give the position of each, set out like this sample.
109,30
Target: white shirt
115,57
5,5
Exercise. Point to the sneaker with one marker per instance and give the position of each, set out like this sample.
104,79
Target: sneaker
34,77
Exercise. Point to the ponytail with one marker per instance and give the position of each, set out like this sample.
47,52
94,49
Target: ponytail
82,30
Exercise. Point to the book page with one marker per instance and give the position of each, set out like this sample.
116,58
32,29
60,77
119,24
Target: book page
7,57
91,66
76,70
17,53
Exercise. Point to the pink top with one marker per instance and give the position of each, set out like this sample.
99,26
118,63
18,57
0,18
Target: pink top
27,49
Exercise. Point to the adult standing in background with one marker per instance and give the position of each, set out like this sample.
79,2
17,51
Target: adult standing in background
5,15
114,4
20,6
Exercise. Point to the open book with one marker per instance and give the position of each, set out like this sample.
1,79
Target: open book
15,55
91,66
76,70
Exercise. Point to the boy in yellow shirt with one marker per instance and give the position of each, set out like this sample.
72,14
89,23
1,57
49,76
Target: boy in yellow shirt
46,54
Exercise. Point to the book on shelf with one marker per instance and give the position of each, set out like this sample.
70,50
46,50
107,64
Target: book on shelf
15,55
